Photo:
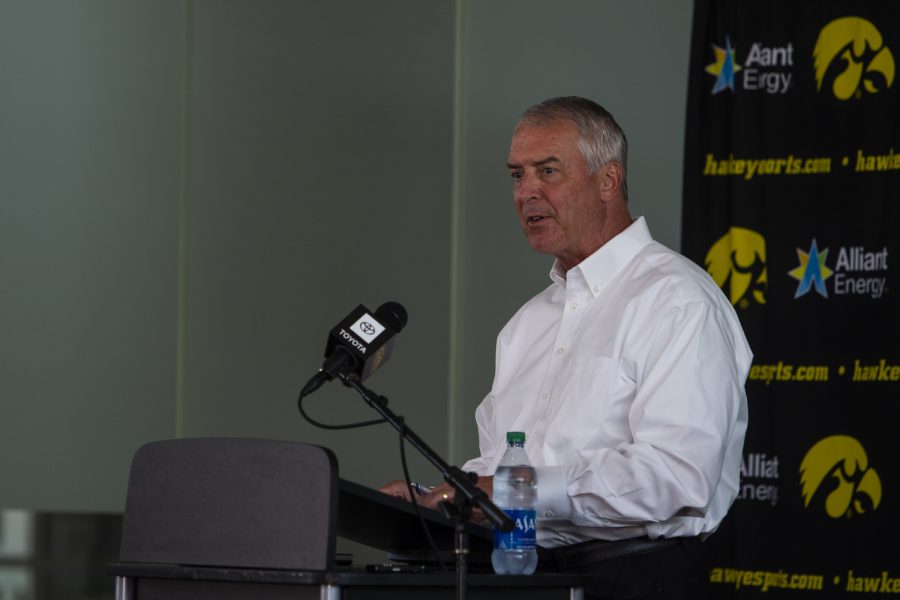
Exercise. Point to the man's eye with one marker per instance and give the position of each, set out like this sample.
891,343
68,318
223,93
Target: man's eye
549,170
517,175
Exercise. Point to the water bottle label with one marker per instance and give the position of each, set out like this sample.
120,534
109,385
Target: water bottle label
522,535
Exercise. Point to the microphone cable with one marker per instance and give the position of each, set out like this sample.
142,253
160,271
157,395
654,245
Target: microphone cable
321,425
412,496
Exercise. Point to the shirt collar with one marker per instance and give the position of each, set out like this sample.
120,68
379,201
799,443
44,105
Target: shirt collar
599,268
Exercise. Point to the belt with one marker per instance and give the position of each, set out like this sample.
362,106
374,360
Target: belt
571,557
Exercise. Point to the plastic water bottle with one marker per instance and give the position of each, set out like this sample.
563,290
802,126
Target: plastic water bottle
515,491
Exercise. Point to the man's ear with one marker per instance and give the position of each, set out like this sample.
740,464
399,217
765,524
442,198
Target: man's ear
610,179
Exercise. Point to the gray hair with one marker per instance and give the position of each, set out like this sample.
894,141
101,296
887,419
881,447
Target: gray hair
600,139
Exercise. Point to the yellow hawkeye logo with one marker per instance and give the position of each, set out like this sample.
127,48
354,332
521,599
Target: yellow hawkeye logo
737,263
853,488
868,63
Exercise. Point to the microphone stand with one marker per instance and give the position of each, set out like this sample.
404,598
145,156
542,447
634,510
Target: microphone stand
467,496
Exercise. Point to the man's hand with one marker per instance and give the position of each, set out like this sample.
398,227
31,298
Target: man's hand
397,489
445,491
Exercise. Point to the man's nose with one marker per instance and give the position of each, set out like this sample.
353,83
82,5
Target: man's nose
529,188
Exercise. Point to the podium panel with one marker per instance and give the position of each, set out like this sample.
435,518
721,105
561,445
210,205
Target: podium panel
244,519
171,582
170,589
369,517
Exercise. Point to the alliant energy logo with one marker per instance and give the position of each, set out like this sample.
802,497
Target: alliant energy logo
857,272
837,469
759,478
851,54
724,68
737,263
812,271
766,68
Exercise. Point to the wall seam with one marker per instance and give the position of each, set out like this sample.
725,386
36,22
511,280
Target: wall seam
456,241
181,334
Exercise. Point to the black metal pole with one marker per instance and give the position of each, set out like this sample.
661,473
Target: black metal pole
467,496
474,495
461,546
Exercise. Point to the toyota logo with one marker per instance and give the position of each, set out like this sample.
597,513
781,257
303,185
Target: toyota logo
367,328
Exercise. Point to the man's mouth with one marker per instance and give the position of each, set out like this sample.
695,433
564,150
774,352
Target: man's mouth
535,218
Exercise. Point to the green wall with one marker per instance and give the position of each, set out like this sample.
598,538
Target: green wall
320,139
194,192
90,169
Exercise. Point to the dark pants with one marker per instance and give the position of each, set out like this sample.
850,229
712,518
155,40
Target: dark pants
672,570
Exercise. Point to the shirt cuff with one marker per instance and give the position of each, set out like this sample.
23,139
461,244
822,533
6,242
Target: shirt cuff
552,497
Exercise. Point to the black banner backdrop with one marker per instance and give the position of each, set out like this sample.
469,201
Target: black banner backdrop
791,189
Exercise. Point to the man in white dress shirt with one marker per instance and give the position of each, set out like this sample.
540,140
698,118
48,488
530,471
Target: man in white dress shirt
626,373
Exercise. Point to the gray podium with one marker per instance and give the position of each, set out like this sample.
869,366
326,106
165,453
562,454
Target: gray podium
236,519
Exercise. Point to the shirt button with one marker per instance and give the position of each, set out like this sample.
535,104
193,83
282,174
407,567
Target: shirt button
574,306
560,350
548,514
596,288
545,395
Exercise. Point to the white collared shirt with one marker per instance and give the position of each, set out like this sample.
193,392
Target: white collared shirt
627,376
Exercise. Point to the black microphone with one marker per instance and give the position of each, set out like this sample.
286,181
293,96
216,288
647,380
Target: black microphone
359,344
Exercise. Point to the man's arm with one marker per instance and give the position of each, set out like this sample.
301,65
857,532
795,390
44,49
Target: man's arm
686,421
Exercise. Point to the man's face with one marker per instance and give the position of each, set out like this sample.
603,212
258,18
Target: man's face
558,201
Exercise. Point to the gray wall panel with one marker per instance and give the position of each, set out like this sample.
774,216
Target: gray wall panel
320,179
89,152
